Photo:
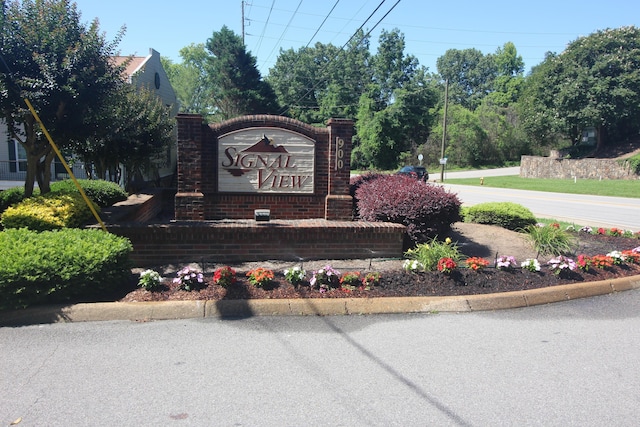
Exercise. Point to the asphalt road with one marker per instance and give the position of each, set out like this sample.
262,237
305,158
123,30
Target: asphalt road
594,211
567,364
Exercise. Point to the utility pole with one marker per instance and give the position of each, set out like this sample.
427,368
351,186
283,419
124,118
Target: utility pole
242,3
443,161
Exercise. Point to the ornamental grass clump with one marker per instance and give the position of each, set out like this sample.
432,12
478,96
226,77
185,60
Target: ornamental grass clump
189,279
224,276
429,254
549,240
150,280
260,277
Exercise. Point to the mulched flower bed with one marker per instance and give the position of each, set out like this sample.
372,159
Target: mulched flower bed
398,283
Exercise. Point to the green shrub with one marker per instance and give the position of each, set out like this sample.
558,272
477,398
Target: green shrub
549,240
633,162
426,210
12,196
103,193
428,254
49,212
511,216
60,266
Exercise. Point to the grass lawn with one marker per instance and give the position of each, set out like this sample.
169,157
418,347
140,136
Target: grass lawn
615,188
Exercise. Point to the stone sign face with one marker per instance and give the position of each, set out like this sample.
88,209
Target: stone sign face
266,160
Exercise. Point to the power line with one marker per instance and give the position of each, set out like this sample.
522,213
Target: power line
325,20
264,28
284,31
345,45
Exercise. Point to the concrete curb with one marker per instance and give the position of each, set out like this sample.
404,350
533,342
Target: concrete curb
148,311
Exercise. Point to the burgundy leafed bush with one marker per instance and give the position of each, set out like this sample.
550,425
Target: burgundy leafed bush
426,209
356,182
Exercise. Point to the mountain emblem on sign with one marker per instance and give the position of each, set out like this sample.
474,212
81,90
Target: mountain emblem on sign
265,145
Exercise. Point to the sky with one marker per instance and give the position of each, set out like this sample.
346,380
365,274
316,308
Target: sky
430,28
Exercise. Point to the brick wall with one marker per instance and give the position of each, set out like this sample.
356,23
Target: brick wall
198,197
246,240
553,167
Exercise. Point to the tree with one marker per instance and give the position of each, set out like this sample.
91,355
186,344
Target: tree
391,67
467,142
63,67
395,112
509,79
190,80
594,82
323,81
136,132
238,88
470,75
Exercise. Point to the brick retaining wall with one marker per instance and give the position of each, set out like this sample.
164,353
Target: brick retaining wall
247,240
550,167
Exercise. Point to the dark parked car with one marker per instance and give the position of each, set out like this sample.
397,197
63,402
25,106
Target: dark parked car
419,172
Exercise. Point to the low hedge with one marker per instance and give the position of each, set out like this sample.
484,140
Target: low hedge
49,212
60,266
426,210
511,216
103,193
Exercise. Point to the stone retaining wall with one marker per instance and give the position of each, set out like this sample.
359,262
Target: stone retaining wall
551,167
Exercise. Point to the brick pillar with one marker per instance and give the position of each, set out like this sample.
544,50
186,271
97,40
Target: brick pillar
338,203
189,200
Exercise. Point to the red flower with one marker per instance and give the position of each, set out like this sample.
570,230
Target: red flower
446,265
583,262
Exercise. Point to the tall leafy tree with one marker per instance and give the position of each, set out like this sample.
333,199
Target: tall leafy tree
395,112
509,79
136,131
315,83
594,82
466,140
63,67
470,74
190,81
237,85
392,68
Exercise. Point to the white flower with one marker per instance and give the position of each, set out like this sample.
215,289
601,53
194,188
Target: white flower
616,254
531,264
412,265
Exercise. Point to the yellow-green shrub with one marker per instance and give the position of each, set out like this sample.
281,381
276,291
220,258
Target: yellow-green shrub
48,212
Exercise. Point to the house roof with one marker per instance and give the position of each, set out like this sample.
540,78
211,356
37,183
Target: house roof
135,63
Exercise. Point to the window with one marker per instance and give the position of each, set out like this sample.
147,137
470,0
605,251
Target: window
17,157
